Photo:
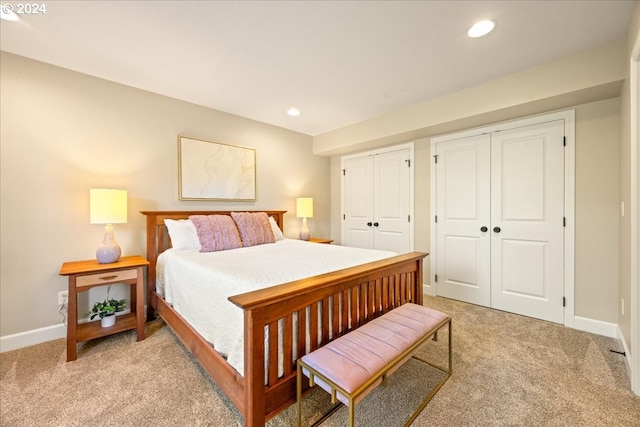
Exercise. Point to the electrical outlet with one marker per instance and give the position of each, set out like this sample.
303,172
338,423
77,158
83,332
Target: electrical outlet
63,297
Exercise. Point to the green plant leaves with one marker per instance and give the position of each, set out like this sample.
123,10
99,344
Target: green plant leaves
108,307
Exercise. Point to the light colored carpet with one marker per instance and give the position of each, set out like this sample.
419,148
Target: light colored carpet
509,370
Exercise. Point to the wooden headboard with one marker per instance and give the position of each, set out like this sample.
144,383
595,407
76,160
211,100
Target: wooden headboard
158,239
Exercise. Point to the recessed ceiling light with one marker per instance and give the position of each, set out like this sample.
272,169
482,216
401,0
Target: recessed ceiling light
480,29
7,13
293,112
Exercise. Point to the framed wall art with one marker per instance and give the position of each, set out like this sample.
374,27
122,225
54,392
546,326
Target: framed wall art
214,171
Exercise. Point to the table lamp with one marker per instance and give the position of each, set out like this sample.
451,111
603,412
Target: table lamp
304,210
108,206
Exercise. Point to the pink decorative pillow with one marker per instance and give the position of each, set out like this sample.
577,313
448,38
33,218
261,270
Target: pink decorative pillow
254,228
216,232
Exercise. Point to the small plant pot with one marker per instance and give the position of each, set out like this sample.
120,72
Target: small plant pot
108,321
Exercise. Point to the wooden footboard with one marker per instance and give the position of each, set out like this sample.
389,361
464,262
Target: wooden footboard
330,305
326,307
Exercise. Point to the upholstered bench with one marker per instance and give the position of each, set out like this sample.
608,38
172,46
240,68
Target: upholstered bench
352,365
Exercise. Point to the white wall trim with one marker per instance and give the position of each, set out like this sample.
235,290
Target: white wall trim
569,201
570,214
33,337
634,110
427,289
627,352
48,333
598,327
433,253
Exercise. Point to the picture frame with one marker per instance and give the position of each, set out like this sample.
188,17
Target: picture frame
210,170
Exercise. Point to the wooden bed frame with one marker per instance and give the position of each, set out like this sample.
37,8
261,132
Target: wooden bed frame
338,302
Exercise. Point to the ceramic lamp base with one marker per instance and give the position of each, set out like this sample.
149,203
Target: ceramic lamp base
304,231
108,251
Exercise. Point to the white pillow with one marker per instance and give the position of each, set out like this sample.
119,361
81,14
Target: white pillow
277,233
183,234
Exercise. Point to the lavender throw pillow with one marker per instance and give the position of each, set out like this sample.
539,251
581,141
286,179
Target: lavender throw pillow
216,232
254,228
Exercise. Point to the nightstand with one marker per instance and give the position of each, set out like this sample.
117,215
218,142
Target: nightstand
319,240
84,275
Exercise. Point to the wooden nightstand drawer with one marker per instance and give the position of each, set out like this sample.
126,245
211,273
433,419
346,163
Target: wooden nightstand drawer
106,277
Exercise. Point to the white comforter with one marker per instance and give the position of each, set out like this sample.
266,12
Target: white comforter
198,284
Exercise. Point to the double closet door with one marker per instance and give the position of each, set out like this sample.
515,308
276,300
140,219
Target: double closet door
377,191
500,219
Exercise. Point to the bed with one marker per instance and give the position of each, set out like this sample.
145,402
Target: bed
330,304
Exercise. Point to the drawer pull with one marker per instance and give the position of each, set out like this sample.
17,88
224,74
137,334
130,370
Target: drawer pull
108,277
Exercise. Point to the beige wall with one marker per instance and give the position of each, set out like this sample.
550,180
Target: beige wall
597,210
624,223
597,126
63,132
624,289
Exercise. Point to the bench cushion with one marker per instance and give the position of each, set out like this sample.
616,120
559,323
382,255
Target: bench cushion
352,359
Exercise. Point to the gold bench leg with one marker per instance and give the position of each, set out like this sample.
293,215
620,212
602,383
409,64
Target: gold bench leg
299,378
352,413
447,373
299,393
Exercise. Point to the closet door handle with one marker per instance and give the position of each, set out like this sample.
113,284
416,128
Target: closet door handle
483,229
375,224
497,229
369,224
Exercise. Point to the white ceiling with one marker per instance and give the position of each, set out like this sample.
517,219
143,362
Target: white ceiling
339,62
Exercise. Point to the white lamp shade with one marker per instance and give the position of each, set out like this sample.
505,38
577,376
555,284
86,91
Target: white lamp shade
304,207
107,206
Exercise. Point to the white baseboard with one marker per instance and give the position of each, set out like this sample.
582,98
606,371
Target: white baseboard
50,333
623,341
428,289
596,327
627,352
36,336
585,324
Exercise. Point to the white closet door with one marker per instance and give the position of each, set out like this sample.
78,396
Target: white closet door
391,201
463,203
377,199
358,202
527,211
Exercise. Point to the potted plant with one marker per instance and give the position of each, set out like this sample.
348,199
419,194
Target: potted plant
107,310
